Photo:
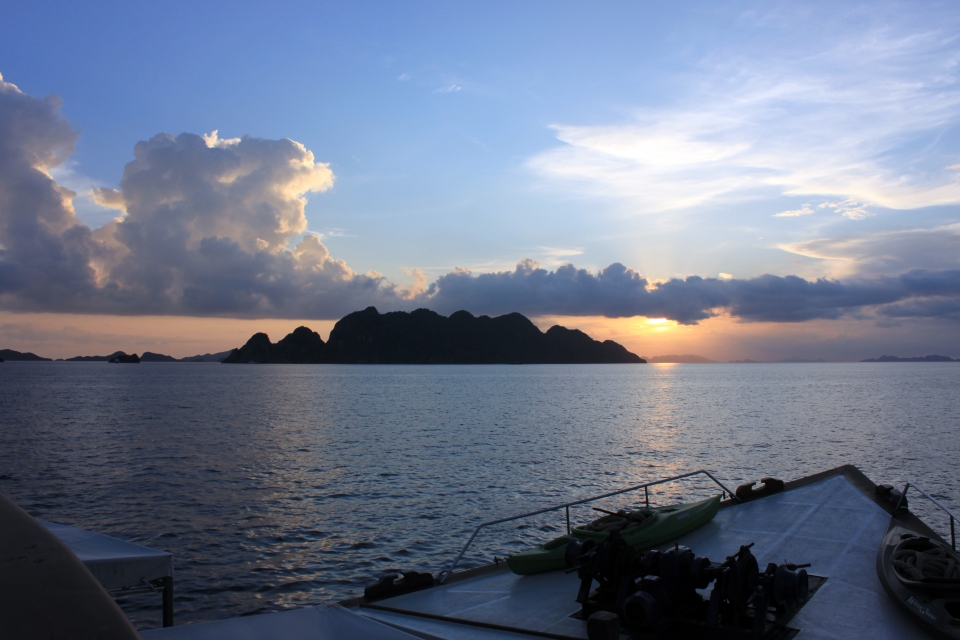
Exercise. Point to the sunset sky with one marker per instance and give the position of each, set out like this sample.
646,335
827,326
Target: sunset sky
738,180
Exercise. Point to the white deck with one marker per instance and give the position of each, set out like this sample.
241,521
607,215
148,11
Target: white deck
830,524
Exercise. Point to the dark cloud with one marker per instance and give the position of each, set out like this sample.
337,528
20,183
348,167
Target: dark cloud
618,291
213,227
44,250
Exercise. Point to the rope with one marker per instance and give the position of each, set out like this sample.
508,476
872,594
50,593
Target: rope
934,562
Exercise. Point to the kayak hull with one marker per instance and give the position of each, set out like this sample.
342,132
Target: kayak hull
662,525
936,608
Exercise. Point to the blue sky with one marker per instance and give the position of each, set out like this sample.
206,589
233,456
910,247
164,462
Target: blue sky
720,140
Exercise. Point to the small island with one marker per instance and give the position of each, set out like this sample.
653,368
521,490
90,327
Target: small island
915,359
426,337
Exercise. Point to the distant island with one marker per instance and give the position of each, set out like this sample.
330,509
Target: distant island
16,356
115,357
149,356
688,358
426,337
207,357
918,359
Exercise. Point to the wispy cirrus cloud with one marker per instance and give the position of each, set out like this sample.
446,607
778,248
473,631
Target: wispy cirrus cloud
885,252
805,210
859,115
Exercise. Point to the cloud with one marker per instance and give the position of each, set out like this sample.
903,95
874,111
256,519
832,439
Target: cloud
849,208
216,227
618,291
450,88
42,244
888,252
793,213
209,227
854,112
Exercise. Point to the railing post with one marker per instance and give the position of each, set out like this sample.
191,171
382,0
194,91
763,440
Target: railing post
953,533
646,495
568,520
168,601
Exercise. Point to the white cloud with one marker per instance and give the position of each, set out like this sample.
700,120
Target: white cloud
858,116
557,256
450,88
794,213
849,208
725,276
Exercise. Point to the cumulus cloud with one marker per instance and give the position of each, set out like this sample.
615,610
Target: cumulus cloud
216,227
864,117
42,244
208,226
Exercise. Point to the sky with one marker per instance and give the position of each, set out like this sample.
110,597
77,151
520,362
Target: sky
753,180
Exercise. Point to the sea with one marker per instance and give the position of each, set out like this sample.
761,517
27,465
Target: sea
281,486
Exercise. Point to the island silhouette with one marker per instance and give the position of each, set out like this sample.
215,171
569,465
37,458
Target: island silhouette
426,337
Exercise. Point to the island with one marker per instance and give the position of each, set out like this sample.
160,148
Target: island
115,356
687,358
16,356
122,358
426,337
207,357
149,356
916,359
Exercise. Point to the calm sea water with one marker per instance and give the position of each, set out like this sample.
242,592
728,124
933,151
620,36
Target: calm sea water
279,486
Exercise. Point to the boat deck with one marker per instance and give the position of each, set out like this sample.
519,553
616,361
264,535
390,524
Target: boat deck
831,521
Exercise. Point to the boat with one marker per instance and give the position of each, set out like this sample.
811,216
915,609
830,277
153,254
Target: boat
787,559
819,533
922,575
641,529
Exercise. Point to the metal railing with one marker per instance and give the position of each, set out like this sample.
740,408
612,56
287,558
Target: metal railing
645,486
953,517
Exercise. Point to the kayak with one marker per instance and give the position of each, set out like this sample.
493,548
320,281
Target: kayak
641,529
922,575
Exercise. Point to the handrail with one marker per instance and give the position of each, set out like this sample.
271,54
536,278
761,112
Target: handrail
953,517
446,573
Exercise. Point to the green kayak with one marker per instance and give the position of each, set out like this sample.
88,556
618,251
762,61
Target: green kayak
642,529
